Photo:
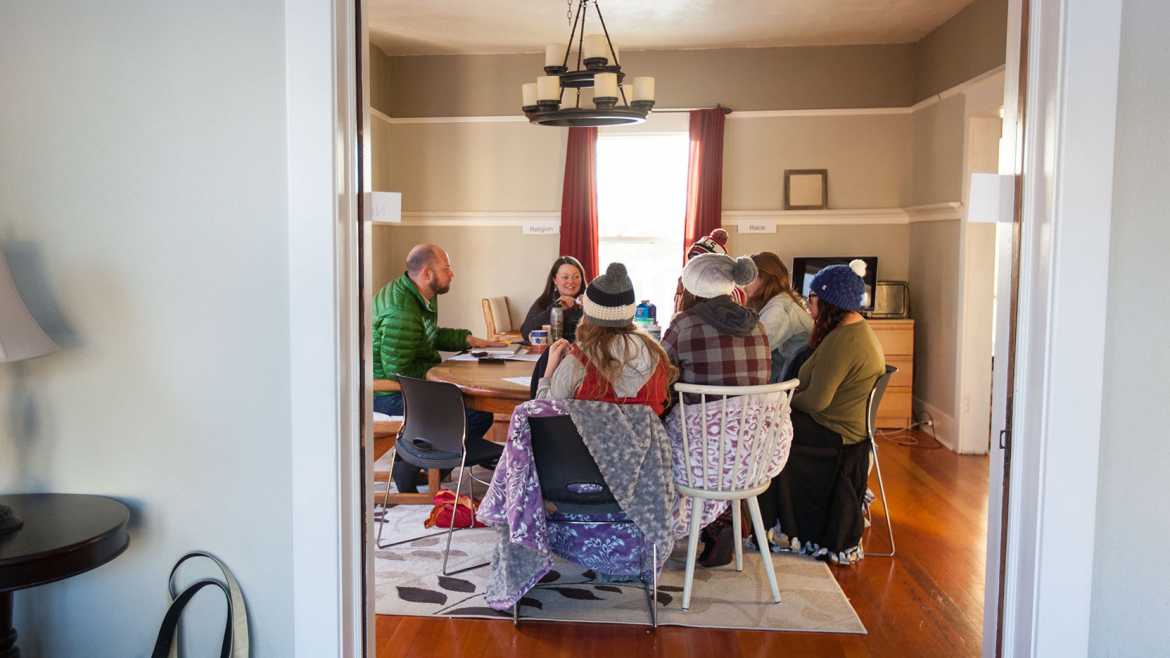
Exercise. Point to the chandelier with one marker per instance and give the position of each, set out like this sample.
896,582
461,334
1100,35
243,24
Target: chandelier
615,102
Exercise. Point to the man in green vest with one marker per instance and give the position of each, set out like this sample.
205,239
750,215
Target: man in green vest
407,339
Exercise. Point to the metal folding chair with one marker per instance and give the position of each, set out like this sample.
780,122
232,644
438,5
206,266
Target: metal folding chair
875,399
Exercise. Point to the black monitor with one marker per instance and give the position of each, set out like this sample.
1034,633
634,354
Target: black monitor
805,268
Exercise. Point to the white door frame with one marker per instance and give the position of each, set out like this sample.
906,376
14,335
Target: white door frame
1067,162
328,610
1066,203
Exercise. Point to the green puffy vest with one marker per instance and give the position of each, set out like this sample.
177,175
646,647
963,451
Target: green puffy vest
406,333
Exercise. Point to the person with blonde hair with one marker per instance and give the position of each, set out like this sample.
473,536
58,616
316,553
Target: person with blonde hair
612,360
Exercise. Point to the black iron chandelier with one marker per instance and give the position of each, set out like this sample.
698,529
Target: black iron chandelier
615,102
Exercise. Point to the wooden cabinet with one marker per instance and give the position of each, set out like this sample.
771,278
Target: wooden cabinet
897,339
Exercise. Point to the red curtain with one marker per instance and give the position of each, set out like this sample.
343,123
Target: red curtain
579,199
704,175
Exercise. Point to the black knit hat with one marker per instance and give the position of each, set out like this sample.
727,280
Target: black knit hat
609,299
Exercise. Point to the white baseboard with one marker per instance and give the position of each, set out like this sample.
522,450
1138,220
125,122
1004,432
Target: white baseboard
945,428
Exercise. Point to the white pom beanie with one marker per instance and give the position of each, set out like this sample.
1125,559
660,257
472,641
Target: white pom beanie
713,275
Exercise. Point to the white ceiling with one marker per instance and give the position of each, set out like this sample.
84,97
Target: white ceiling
425,27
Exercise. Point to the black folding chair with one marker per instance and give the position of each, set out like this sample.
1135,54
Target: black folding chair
434,435
570,479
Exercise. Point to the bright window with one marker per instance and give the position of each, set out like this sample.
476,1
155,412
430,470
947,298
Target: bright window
641,203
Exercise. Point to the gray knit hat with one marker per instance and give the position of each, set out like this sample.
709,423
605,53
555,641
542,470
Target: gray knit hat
714,275
609,299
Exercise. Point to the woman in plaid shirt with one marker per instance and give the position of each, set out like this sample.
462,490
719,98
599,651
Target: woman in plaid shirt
717,342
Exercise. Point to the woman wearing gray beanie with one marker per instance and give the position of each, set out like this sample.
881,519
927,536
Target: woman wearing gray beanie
717,342
713,340
817,499
612,360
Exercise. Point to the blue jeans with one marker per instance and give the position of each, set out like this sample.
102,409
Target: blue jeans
406,475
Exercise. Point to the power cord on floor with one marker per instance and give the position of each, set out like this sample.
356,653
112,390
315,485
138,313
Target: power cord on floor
902,436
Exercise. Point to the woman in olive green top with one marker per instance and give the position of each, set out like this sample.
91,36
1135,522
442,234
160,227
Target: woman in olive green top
817,498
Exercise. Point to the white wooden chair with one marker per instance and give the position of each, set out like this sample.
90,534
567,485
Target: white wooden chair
747,452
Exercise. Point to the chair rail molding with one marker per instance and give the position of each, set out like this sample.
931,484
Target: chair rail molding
737,218
935,212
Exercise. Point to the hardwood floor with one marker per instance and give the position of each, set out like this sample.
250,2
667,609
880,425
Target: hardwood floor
926,601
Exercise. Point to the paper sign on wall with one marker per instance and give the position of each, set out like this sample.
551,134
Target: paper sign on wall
543,228
757,227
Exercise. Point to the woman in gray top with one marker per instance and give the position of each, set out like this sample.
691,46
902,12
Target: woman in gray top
783,313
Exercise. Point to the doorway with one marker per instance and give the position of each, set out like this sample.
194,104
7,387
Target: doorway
908,501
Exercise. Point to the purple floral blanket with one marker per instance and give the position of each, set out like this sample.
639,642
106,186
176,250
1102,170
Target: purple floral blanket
632,451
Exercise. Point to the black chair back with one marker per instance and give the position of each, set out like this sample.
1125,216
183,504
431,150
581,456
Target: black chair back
793,367
568,476
537,373
435,417
875,399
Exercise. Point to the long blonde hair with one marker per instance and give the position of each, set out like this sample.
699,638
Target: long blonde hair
607,347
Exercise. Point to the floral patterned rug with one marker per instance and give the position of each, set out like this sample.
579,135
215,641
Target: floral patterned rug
408,583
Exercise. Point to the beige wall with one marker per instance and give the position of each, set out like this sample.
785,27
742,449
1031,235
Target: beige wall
474,166
740,78
937,144
382,154
514,167
488,261
379,74
970,43
868,158
1131,602
889,242
934,274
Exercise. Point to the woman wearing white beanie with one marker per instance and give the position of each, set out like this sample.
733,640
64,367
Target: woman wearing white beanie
717,342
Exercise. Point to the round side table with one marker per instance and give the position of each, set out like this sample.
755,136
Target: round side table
63,535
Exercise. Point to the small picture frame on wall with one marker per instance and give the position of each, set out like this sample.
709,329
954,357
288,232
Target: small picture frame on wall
806,189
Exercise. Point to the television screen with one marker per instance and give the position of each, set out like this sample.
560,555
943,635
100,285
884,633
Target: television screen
804,269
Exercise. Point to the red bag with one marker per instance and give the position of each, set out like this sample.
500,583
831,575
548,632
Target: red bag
446,507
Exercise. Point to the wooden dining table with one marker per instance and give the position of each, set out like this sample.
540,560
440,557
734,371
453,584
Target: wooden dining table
483,384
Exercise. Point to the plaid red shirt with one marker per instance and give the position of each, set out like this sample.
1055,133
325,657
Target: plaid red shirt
706,356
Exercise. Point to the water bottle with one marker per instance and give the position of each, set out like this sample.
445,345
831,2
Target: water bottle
556,323
652,312
642,314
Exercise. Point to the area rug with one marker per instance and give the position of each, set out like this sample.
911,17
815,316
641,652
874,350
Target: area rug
408,583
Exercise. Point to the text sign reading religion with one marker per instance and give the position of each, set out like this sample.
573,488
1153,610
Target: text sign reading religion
543,228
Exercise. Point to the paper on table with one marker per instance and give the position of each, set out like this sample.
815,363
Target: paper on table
519,381
507,356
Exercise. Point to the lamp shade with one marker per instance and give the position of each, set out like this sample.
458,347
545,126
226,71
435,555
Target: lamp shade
20,336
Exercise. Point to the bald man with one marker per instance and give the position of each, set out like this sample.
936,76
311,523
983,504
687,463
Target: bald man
407,340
